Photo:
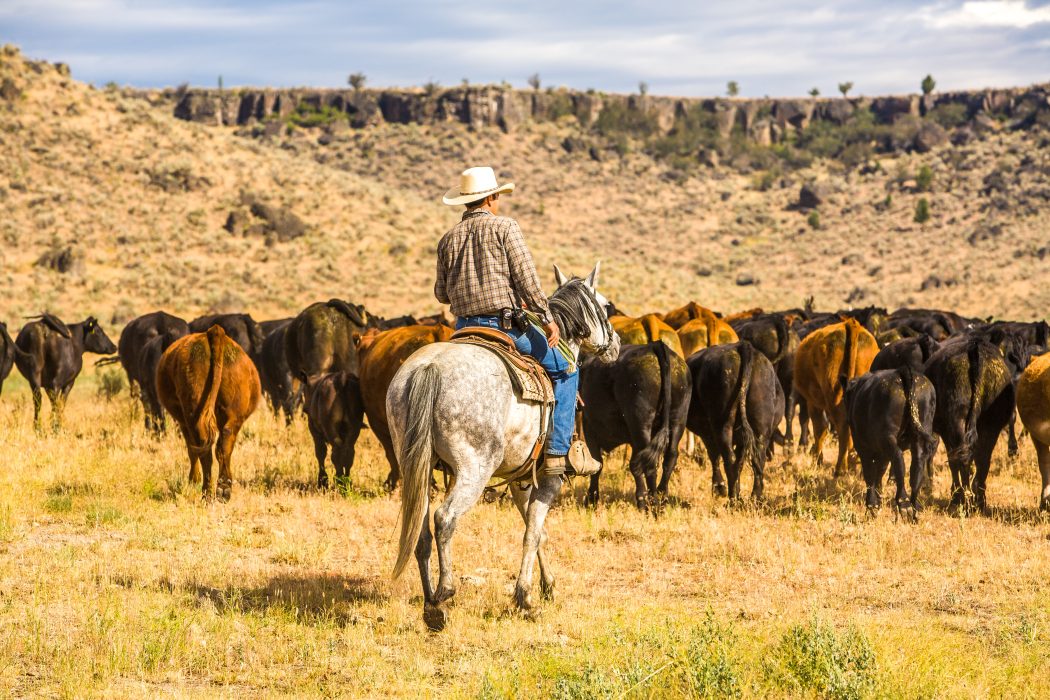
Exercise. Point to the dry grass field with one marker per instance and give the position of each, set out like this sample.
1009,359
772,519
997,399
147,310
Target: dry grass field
116,580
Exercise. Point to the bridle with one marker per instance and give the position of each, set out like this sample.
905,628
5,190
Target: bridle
599,312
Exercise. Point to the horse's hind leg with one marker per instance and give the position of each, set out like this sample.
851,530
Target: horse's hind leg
463,495
521,500
540,500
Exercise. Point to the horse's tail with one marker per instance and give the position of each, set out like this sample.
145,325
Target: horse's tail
748,452
650,457
416,458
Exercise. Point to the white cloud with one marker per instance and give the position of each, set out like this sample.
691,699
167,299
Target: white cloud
125,15
1014,14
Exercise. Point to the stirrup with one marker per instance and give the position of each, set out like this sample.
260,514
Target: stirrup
581,461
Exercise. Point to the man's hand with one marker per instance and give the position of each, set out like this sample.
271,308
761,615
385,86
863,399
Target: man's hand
553,334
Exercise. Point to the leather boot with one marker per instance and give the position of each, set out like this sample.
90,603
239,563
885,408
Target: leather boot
553,465
581,461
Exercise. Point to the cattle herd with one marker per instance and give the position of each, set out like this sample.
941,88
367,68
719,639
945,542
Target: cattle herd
884,383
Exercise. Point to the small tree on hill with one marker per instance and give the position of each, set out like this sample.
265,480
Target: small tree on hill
643,88
922,211
928,84
814,92
534,81
845,87
732,88
357,80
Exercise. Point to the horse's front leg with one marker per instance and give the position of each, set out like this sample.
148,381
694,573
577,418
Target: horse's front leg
521,500
540,501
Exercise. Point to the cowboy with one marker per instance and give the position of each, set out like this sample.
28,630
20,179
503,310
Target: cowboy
485,273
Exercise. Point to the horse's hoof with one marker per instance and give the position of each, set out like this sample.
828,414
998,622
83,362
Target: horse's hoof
547,590
522,598
533,614
435,617
720,490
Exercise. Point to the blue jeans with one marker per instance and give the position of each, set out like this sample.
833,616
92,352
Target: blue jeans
533,342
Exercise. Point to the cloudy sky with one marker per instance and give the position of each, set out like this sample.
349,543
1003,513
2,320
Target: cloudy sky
677,48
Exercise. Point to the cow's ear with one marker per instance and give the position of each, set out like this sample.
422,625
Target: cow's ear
592,279
559,278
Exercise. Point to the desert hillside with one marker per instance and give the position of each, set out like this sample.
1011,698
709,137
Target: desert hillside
114,207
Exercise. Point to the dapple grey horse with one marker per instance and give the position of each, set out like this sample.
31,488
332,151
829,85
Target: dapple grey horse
455,403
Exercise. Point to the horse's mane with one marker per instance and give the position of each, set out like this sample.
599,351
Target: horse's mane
573,310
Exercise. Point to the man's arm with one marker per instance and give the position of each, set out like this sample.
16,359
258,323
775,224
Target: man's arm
523,273
439,286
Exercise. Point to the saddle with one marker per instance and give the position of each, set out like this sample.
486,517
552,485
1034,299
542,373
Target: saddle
527,375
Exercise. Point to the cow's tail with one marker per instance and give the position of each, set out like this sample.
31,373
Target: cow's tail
907,375
781,327
659,440
652,333
207,429
416,458
849,353
964,453
739,402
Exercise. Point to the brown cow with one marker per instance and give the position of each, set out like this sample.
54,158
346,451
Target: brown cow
644,330
825,362
682,315
705,332
210,386
1033,405
380,356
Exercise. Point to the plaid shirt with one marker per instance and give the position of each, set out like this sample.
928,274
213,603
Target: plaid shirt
484,266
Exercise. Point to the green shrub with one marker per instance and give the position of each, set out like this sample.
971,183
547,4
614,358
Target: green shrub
695,130
949,114
307,115
813,219
922,211
814,657
928,84
924,179
619,118
110,383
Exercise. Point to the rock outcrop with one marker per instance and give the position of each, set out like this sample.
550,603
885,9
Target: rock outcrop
763,120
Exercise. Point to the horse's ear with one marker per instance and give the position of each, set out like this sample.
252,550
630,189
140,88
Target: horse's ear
592,279
559,278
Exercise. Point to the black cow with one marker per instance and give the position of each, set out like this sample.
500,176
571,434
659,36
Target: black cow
641,399
907,352
737,403
873,318
52,357
933,322
133,340
149,359
335,414
282,389
771,335
8,351
889,411
240,328
975,398
321,338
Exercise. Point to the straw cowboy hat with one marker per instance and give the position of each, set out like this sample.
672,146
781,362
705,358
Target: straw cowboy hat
475,184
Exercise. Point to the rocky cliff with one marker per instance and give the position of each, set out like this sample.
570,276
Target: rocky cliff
763,121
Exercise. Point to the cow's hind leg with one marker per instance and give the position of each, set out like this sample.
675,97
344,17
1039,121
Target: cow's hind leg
820,433
38,402
982,457
1042,452
901,501
224,454
521,500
